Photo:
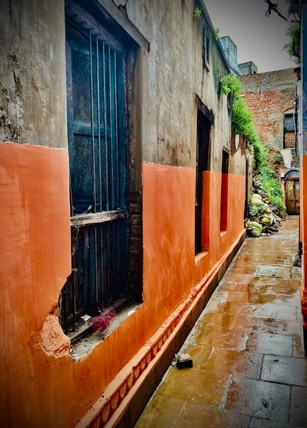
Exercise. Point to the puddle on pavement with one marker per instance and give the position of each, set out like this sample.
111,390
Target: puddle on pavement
259,399
253,312
261,294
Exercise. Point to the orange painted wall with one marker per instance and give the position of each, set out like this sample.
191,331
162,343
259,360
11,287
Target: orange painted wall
35,261
170,266
218,243
303,220
168,220
45,388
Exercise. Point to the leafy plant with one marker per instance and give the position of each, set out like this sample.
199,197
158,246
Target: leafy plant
242,118
292,47
230,83
269,182
217,33
197,12
276,200
278,158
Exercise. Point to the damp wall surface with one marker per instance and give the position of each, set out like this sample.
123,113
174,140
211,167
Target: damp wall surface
41,385
32,69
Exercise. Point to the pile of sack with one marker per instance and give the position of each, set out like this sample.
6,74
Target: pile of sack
263,218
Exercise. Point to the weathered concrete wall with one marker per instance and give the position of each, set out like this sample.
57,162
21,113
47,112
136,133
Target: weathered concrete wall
175,73
268,96
32,69
170,76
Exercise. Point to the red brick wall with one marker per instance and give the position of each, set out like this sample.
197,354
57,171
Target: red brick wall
289,140
268,96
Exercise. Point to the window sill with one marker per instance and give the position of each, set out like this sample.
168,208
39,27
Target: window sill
94,218
84,338
200,256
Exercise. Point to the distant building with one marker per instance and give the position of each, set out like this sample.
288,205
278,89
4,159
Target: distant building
271,98
248,68
231,54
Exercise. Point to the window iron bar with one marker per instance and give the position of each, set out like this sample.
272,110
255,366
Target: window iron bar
105,123
92,122
99,122
117,169
111,127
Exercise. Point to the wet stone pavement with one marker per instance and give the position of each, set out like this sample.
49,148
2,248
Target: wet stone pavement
249,368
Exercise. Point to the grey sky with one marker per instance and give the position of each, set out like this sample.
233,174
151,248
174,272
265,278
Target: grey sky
258,38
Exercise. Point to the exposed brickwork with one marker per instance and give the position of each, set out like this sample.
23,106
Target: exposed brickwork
237,144
268,96
289,140
136,248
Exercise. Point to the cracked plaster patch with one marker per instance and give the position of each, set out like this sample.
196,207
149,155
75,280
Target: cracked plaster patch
53,340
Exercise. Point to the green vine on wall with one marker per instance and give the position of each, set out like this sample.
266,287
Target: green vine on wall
244,125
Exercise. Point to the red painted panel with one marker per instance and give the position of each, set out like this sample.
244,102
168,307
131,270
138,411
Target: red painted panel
224,203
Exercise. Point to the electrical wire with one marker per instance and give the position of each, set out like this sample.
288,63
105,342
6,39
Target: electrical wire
274,7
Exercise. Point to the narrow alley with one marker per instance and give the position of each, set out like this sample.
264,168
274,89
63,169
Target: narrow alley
138,149
249,368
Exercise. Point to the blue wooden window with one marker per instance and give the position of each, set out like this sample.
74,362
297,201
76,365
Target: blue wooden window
96,111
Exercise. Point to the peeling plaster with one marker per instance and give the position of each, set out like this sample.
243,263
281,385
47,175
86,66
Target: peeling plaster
53,340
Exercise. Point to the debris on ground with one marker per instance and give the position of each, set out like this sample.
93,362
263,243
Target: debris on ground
264,217
183,361
102,321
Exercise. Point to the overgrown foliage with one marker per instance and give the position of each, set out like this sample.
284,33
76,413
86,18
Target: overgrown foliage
242,120
292,47
278,158
271,187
